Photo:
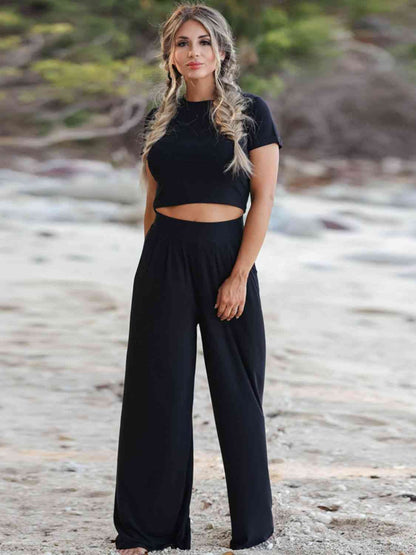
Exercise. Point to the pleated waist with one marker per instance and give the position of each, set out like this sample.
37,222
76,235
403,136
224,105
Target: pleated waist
224,232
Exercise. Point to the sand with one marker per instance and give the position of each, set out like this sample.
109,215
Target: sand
339,399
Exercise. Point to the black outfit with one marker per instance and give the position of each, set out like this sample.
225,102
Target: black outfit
188,161
181,267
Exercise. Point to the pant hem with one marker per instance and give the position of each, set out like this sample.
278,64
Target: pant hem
250,544
132,545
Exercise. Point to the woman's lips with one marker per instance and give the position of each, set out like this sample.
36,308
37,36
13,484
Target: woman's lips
194,65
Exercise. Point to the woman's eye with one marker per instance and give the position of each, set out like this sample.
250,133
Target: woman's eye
202,42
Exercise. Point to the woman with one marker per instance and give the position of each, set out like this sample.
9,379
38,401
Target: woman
204,152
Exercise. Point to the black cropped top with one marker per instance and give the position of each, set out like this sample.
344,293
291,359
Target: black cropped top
188,161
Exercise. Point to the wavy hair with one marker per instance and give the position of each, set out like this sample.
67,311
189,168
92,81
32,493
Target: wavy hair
229,103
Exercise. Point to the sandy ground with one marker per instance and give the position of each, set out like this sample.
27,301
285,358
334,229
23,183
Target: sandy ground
339,401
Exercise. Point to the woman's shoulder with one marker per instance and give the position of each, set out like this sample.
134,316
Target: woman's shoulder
250,95
257,105
265,131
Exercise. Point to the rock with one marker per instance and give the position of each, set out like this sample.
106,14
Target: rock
115,185
303,172
387,258
283,221
405,198
333,224
72,466
392,165
60,209
67,167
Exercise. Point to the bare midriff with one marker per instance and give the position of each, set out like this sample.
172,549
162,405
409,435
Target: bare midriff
202,212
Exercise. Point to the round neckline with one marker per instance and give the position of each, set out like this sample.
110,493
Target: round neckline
195,102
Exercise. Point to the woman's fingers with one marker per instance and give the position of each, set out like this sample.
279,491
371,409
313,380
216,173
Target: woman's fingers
239,310
233,312
230,301
229,311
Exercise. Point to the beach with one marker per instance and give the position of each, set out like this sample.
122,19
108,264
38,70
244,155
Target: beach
337,275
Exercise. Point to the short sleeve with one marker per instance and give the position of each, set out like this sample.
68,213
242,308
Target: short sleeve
147,119
264,132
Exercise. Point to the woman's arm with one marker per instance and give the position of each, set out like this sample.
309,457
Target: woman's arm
263,188
149,214
232,292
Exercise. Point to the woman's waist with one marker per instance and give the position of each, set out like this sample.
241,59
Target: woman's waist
221,232
202,211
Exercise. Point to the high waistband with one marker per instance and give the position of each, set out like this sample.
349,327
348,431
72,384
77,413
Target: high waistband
221,231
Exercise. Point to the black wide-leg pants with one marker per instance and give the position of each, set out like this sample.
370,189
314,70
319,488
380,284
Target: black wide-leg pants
181,267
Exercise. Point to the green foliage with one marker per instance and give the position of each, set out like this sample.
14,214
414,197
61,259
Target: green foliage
357,8
28,96
10,72
302,38
309,35
273,19
111,47
10,21
12,41
273,45
406,51
116,77
271,86
99,31
77,118
52,28
306,9
44,128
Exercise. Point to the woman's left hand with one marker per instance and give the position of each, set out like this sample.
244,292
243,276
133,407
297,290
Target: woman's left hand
231,297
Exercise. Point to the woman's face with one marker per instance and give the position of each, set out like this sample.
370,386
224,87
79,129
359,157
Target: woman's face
193,44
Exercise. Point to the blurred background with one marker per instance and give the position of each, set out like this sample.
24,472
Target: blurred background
337,270
76,77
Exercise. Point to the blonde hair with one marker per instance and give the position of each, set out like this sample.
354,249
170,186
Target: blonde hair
229,103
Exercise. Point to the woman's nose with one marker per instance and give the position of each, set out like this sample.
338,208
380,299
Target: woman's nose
193,51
